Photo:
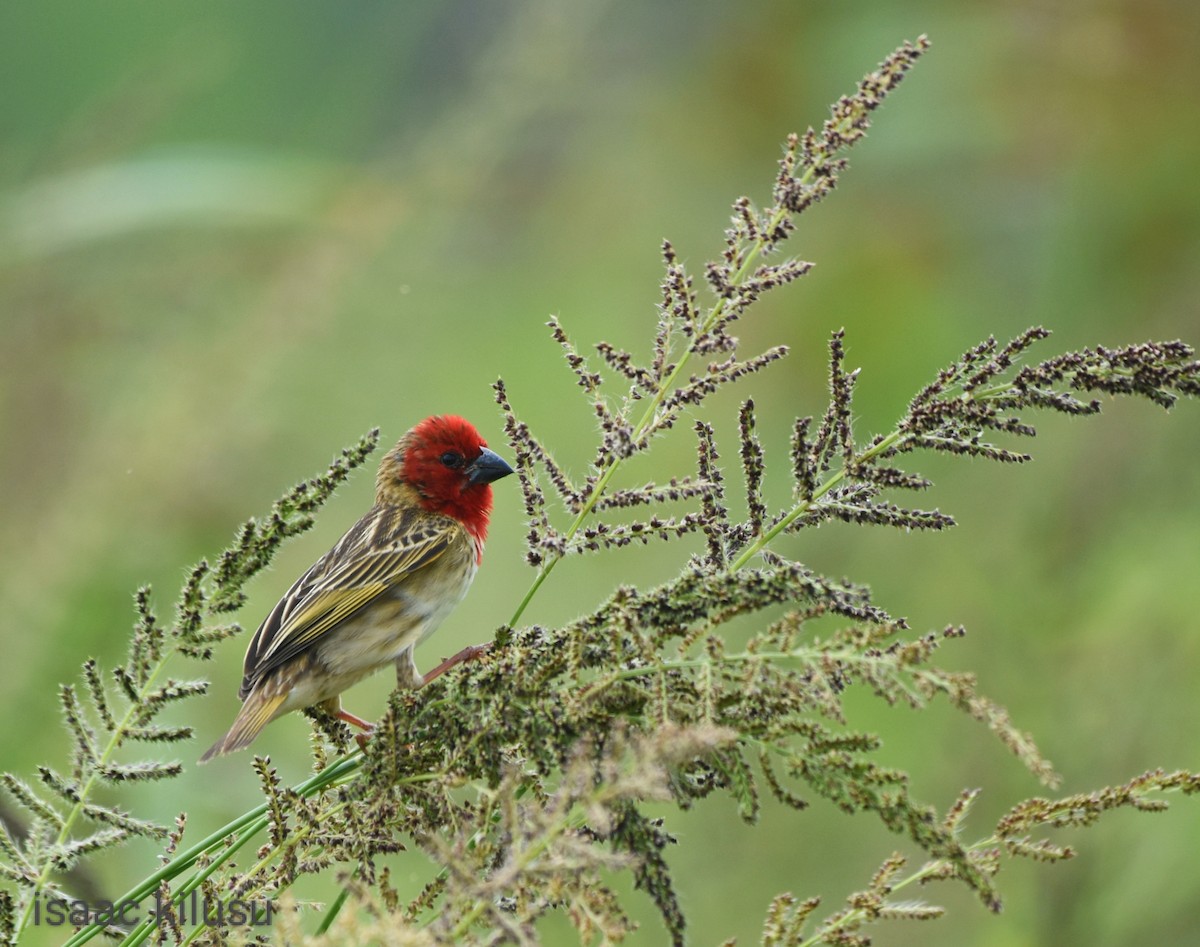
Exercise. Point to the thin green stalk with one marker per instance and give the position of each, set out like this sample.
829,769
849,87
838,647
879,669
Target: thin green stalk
804,506
85,793
301,833
929,869
334,909
893,439
143,930
249,824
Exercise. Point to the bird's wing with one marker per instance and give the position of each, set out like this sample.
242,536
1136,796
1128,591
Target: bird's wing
379,551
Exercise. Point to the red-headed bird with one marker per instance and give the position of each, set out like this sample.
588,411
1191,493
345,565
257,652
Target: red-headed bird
382,589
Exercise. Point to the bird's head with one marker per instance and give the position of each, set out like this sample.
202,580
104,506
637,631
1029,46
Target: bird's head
444,465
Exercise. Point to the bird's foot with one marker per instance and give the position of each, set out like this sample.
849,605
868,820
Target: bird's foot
469,653
363,725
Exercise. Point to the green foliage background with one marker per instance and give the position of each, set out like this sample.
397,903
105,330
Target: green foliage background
234,237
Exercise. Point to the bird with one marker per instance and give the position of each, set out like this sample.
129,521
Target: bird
382,589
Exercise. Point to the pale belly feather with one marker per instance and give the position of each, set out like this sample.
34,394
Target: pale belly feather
382,635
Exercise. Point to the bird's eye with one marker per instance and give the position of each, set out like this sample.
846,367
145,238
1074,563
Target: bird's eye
452,459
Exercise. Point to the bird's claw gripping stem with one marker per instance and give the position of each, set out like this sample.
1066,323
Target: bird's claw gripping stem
469,653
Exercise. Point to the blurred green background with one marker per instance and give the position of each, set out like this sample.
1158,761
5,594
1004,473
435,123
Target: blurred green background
233,237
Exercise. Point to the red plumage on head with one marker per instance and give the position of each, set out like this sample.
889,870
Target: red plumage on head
444,487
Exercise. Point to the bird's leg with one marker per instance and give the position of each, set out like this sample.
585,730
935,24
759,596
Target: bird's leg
355,721
334,707
367,728
407,675
469,653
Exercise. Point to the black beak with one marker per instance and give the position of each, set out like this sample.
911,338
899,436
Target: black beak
488,466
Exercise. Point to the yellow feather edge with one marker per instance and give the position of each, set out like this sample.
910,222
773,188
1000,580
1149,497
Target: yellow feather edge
258,710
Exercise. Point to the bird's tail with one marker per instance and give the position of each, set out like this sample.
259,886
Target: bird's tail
258,710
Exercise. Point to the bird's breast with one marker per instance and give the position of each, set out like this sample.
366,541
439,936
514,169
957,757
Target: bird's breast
400,618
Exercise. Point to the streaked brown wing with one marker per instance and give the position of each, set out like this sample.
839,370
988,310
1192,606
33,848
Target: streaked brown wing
378,551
